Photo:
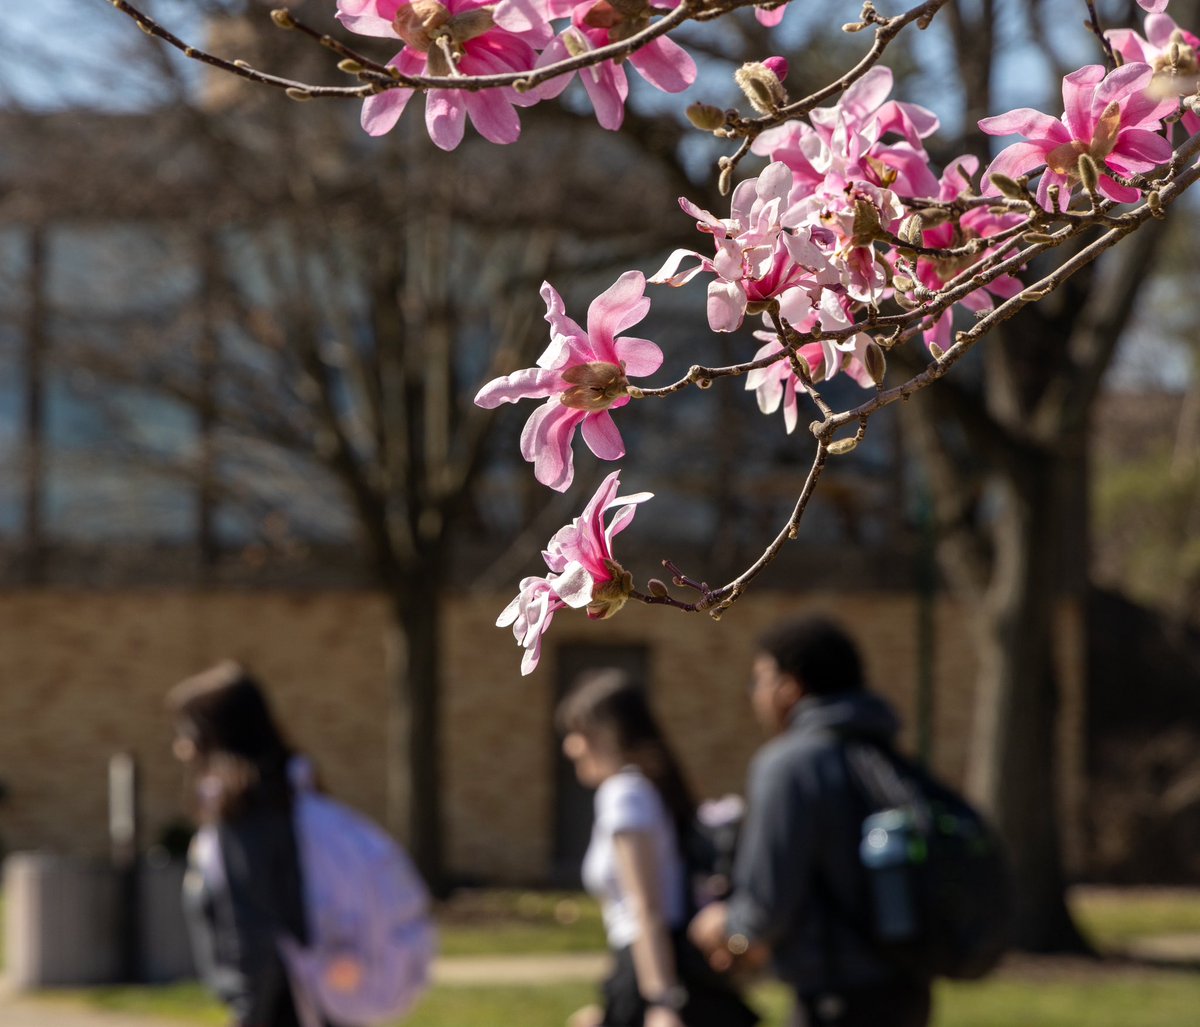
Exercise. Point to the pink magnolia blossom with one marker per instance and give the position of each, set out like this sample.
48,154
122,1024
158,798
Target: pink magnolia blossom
846,210
535,605
596,23
977,223
583,375
1171,78
863,137
485,38
757,258
777,384
1110,117
583,571
1153,6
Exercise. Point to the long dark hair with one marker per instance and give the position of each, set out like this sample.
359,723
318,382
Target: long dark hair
610,700
224,713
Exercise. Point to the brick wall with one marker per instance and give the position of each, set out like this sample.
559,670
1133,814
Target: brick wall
82,674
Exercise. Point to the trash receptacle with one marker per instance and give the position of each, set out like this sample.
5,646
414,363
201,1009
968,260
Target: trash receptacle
60,917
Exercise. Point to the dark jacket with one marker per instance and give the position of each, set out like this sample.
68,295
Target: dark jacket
798,883
235,920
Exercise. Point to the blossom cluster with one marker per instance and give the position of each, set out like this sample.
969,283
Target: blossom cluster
849,219
481,37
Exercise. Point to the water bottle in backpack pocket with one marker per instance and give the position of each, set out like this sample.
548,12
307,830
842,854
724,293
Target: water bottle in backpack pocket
939,891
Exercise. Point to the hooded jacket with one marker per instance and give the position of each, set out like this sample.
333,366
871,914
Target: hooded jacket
798,882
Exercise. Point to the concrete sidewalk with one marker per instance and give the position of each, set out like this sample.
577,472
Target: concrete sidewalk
50,1010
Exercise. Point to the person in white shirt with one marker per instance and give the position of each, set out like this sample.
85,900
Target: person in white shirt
635,867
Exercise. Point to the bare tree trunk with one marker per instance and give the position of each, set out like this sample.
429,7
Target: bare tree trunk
35,390
416,644
1015,771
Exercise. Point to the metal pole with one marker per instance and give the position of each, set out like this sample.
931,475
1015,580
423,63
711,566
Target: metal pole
123,839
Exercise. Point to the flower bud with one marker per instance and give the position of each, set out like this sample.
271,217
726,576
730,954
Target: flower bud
283,18
876,362
778,65
725,180
935,351
350,67
762,87
298,94
866,228
911,229
1089,173
574,42
658,588
842,447
706,117
1013,190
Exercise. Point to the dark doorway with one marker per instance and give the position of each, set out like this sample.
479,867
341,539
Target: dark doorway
573,802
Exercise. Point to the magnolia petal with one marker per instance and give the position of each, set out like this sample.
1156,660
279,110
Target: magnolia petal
525,18
622,305
771,18
381,111
1139,150
1121,83
665,65
726,306
602,436
556,50
607,87
365,18
1128,43
791,407
493,116
546,443
1120,193
1078,93
1160,28
669,273
510,612
530,383
445,117
1027,122
640,357
1015,161
574,586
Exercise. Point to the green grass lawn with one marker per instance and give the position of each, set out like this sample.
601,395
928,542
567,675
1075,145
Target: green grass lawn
486,921
1027,992
1093,998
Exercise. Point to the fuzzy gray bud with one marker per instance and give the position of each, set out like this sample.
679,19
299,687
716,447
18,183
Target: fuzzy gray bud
912,229
875,362
761,86
1089,173
706,117
1013,190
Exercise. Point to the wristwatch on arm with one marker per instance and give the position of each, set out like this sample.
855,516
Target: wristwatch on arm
674,998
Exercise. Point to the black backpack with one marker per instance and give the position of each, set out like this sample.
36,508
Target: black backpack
937,880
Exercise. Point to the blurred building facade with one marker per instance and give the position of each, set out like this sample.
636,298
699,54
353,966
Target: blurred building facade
145,533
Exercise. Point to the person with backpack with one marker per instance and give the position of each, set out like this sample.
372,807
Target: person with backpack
301,912
635,863
801,897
